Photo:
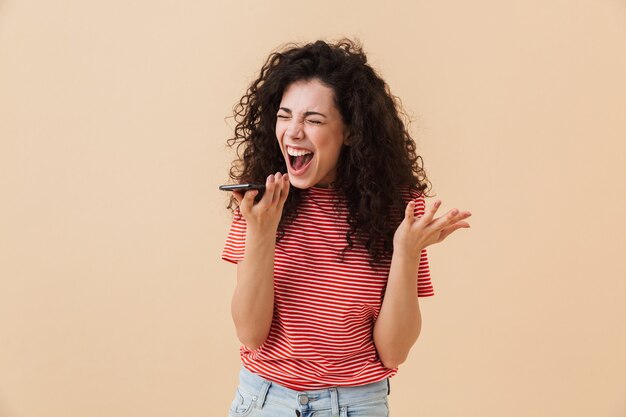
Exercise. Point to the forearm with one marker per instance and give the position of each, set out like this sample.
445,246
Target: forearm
399,321
252,305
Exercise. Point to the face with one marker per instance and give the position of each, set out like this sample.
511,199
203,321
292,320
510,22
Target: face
311,133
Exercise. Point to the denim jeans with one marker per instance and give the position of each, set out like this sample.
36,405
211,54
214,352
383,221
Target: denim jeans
259,397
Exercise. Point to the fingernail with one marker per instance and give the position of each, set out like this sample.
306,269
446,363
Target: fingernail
438,203
270,178
455,212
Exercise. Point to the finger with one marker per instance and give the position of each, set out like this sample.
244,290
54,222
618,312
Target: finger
278,178
238,196
248,200
456,215
270,186
285,190
446,231
447,219
430,213
409,212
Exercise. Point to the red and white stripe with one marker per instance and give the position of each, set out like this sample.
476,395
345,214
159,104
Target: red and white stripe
324,309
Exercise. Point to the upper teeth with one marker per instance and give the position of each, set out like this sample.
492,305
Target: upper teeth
297,152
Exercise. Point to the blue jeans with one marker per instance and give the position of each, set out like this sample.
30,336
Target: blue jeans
259,397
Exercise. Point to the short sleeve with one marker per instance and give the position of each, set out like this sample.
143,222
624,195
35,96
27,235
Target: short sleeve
424,283
235,245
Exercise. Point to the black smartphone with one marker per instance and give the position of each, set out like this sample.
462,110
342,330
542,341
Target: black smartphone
244,188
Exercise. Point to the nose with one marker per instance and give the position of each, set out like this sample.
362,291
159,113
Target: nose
294,130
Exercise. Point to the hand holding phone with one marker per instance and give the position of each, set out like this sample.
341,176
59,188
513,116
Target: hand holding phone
263,215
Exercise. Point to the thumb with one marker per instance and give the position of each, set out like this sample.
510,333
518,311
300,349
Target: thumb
409,212
248,199
238,196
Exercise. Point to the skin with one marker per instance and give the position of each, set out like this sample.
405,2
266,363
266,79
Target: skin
252,305
307,118
399,322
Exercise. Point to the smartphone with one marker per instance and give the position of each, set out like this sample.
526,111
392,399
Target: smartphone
244,188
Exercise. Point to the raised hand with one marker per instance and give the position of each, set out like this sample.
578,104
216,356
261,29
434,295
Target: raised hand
264,216
415,234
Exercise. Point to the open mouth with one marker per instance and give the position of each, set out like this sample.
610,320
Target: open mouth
299,159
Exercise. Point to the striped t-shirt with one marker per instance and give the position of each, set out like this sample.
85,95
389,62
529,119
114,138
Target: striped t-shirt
324,308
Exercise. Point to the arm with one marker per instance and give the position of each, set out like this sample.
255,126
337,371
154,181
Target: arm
252,305
399,322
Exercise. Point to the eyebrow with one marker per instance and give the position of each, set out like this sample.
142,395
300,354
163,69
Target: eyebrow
308,113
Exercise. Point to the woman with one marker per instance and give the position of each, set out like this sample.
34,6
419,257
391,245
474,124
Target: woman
331,259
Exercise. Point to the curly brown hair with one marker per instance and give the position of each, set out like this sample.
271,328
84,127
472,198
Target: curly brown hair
380,160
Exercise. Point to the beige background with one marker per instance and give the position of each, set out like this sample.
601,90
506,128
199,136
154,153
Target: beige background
113,299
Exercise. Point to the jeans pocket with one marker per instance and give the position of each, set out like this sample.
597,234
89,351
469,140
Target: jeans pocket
376,408
242,404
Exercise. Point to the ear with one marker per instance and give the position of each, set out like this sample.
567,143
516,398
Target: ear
346,138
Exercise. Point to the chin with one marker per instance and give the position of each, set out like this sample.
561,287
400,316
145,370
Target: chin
301,184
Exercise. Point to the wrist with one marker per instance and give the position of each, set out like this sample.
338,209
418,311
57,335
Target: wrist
261,231
407,259
260,237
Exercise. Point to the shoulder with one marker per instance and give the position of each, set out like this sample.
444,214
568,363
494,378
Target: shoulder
409,193
413,194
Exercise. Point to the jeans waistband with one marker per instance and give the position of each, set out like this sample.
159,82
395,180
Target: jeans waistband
318,399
